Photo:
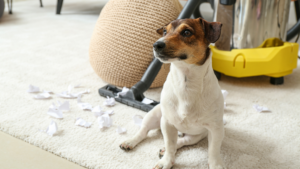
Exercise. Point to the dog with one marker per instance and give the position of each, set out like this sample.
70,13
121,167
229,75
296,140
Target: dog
191,98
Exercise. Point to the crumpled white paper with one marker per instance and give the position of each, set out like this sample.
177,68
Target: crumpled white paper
52,129
260,109
65,106
83,106
33,89
44,95
83,123
225,93
69,95
123,92
224,121
137,119
54,112
104,121
109,101
147,101
97,110
57,111
121,130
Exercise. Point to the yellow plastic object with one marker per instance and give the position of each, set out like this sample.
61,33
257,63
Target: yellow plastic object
272,61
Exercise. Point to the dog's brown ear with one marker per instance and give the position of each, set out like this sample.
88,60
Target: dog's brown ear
212,30
160,31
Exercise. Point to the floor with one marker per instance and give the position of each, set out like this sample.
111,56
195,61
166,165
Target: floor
17,154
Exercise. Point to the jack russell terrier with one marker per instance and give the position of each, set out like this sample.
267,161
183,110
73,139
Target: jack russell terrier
191,99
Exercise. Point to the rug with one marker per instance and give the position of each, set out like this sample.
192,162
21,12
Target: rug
51,51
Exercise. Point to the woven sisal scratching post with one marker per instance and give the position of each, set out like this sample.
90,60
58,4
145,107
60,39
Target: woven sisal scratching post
121,44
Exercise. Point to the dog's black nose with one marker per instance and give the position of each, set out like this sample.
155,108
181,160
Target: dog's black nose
159,46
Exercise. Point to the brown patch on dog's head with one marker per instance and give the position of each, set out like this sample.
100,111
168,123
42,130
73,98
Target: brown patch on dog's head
187,40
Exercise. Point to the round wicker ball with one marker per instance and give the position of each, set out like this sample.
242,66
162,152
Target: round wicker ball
121,45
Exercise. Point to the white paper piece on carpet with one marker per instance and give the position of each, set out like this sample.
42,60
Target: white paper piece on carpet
82,105
82,123
66,95
224,121
109,101
69,95
123,92
137,119
104,121
109,112
47,91
147,101
121,130
64,106
52,129
78,85
260,109
33,89
53,111
225,93
83,92
99,112
44,95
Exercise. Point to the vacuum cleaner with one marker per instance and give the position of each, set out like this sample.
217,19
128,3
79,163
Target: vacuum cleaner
135,95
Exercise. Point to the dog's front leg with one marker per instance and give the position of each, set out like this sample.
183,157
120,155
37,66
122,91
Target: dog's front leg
170,138
215,138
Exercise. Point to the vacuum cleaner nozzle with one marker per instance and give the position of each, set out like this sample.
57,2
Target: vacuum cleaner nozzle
131,98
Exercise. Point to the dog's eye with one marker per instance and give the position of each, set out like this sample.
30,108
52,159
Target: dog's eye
186,33
165,32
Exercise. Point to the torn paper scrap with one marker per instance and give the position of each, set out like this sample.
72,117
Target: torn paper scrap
64,106
55,112
261,108
225,93
52,129
47,91
81,122
109,112
66,95
33,89
83,92
138,120
121,130
83,106
123,92
104,121
42,96
78,85
224,121
147,101
97,111
109,101
69,95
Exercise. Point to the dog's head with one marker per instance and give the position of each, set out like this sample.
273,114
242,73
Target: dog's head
186,40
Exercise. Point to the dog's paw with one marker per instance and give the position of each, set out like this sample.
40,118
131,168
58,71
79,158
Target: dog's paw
161,152
164,164
126,146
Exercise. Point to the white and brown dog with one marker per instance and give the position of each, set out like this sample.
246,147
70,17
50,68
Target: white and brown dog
191,99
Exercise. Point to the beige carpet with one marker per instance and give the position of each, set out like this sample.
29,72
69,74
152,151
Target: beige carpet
40,48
